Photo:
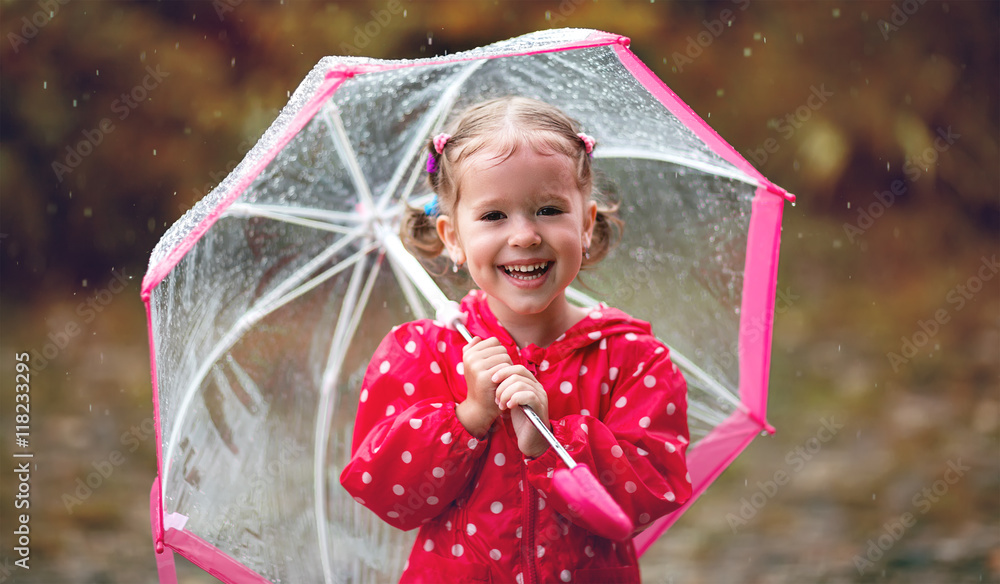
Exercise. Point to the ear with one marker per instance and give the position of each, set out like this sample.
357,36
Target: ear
589,220
448,233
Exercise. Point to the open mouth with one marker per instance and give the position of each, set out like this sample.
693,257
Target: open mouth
528,272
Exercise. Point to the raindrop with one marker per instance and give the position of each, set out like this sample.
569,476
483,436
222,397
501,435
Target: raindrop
873,496
404,13
548,16
233,62
154,151
836,12
747,52
799,38
98,72
45,84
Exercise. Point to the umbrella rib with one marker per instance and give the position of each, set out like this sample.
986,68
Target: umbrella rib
266,306
711,385
706,167
343,146
433,120
408,290
254,211
335,360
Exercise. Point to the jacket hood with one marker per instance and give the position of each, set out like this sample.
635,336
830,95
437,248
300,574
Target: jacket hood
601,322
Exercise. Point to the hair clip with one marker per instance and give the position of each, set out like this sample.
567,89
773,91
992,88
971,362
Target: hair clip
439,142
588,142
431,208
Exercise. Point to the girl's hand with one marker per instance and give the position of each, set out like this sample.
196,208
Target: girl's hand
480,360
518,387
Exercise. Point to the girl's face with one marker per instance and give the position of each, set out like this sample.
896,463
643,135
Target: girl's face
521,225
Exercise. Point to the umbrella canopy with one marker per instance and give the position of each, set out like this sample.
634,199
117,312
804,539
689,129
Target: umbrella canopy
266,300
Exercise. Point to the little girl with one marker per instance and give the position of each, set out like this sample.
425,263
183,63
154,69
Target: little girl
440,442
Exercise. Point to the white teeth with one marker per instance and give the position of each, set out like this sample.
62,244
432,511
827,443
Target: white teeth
528,268
512,271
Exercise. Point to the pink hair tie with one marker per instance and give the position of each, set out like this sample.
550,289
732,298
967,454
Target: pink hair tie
439,142
588,142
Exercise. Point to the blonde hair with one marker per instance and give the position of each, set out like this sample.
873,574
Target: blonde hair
501,126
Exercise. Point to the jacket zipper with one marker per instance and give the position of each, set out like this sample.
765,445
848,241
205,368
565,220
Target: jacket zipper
528,530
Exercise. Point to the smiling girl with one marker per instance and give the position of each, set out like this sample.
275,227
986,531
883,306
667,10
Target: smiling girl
440,441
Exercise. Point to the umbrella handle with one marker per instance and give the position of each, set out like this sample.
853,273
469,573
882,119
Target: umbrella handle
449,316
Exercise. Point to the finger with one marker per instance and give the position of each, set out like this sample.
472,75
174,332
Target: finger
511,370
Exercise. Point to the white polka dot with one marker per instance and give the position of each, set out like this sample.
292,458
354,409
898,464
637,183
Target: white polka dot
432,500
392,514
410,347
641,452
441,346
669,496
398,489
605,388
649,381
420,329
682,440
366,478
495,555
595,314
470,529
630,486
561,337
390,410
407,457
613,373
670,447
428,545
438,472
364,395
565,576
446,438
500,459
644,422
447,525
383,367
617,451
589,551
543,366
621,402
517,532
604,344
630,336
583,369
496,507
473,443
584,412
359,500
435,368
415,423
540,551
687,477
585,428
409,389
566,387
457,550
638,370
643,518
519,578
671,408
659,350
460,368
541,504
436,405
594,335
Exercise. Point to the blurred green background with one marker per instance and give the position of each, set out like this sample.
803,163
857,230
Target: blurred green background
881,116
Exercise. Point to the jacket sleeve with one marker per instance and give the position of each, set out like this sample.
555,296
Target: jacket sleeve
410,456
635,446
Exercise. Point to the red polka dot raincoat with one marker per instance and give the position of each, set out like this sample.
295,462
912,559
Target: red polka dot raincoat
485,512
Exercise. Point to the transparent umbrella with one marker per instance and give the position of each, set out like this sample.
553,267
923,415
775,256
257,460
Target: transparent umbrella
266,300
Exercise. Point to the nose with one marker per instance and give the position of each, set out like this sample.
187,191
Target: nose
523,233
